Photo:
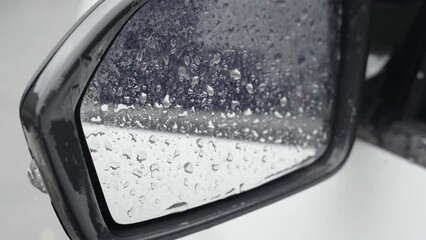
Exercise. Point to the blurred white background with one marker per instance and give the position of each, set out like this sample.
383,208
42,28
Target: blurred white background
376,195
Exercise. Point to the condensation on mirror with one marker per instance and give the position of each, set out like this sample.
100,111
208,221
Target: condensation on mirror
199,100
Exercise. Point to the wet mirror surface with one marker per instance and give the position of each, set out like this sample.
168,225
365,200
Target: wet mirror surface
199,100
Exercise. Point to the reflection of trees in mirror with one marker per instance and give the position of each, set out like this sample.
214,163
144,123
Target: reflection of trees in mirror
216,59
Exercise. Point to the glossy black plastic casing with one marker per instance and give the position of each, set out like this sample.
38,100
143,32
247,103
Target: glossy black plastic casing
50,117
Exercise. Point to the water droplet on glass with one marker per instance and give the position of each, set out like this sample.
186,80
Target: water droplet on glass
34,176
215,167
249,88
216,59
176,154
130,212
137,173
195,81
235,74
141,156
183,73
210,90
166,101
108,145
188,167
283,101
104,108
201,153
210,125
230,157
278,115
142,98
152,139
200,142
114,165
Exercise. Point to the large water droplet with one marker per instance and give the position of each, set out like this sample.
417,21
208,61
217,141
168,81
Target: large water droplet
35,177
130,212
166,101
210,90
235,74
176,154
138,173
249,88
283,101
216,59
195,81
230,157
215,167
114,165
188,167
141,156
152,139
200,142
142,98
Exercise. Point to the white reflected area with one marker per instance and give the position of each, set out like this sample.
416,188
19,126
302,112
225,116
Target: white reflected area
147,174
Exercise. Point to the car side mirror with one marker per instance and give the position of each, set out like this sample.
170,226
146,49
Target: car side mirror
157,119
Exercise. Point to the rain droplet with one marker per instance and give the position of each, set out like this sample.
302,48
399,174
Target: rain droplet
200,142
176,154
283,101
142,98
166,101
215,167
210,90
262,87
132,192
216,59
108,145
186,60
182,72
137,173
249,88
114,165
235,74
201,153
210,125
195,81
229,158
130,212
234,104
183,114
152,139
188,167
104,108
278,115
141,156
155,170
